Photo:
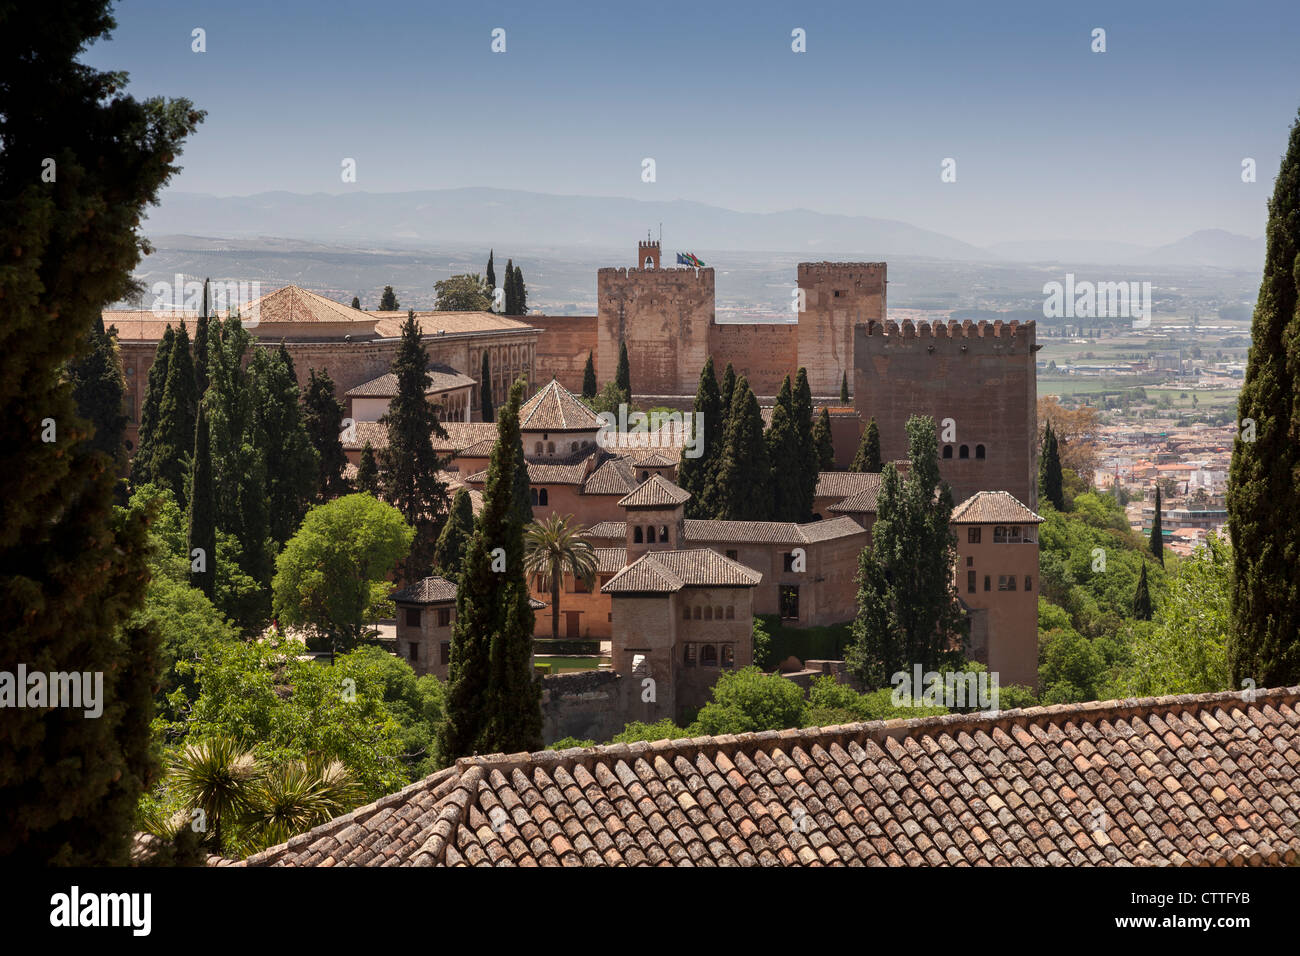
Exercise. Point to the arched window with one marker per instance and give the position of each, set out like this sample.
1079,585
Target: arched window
965,452
550,448
708,656
947,451
541,495
708,612
686,614
663,532
573,446
699,613
717,613
979,451
532,496
731,612
636,535
537,449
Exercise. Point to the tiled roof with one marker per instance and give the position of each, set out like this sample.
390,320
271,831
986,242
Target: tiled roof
145,325
293,304
655,459
610,560
555,408
430,590
655,492
372,432
705,531
864,502
472,439
1193,779
844,484
669,571
449,323
442,378
988,507
614,477
607,530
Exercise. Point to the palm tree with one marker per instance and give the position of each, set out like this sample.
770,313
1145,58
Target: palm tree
552,548
297,796
216,776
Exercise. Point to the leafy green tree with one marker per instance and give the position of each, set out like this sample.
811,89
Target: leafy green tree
695,474
748,700
493,699
907,602
485,389
637,731
623,377
1072,667
410,464
844,388
280,432
332,576
71,571
823,443
462,293
609,399
142,465
98,388
174,438
743,487
867,460
1049,470
553,547
323,419
368,471
783,453
1157,531
201,518
1142,598
450,550
388,301
589,386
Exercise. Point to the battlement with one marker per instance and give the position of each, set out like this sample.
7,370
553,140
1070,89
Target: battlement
841,270
951,329
680,274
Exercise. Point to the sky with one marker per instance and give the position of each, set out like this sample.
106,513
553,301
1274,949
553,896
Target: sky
1143,143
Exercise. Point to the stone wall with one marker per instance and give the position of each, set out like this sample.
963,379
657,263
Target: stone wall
591,705
838,297
664,316
563,348
763,352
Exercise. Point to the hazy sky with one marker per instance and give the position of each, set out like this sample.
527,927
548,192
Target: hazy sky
1142,143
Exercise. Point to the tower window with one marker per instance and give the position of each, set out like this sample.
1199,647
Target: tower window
708,656
973,535
637,537
965,452
947,451
979,451
970,582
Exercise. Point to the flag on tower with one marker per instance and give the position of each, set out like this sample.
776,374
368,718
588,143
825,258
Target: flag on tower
689,259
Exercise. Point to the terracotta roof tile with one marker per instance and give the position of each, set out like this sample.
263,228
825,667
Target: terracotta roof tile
555,408
655,492
614,477
442,378
991,507
430,590
844,484
961,789
669,571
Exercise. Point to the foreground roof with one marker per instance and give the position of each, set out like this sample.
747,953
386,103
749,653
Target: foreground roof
442,378
1192,779
989,507
555,408
665,572
656,492
436,590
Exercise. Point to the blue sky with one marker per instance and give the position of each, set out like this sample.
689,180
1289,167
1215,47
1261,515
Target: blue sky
1142,143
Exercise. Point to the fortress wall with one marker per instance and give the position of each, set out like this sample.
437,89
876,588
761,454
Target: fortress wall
838,296
980,375
563,347
764,352
664,316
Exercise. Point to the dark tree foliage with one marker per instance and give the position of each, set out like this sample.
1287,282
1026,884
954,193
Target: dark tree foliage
201,519
98,388
623,377
589,386
823,442
293,467
491,274
802,415
1157,530
356,302
867,460
493,697
71,570
323,417
388,301
410,465
508,288
521,293
726,392
787,471
142,469
201,342
1050,482
695,474
485,389
1142,597
368,471
174,437
744,482
1264,480
450,550
844,388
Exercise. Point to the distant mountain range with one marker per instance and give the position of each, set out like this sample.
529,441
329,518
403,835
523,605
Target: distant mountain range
503,218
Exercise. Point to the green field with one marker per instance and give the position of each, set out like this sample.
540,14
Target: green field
567,665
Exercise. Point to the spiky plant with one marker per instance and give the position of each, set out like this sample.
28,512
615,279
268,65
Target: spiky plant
217,776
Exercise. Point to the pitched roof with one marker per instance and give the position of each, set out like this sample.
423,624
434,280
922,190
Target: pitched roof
389,324
610,560
293,304
555,408
1192,779
614,477
988,507
442,378
471,439
655,492
864,502
706,531
430,590
655,459
664,572
844,484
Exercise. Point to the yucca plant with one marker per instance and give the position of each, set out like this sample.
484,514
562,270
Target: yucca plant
552,548
216,776
298,795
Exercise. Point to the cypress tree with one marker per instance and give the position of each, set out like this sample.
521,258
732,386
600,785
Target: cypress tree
1050,482
491,274
508,288
356,302
280,432
867,460
1142,598
743,488
694,474
410,464
72,571
200,518
589,386
726,392
450,550
623,378
1263,491
782,443
174,440
485,389
493,699
388,301
521,292
98,388
142,470
201,345
823,442
323,418
1157,530
368,471
844,388
802,411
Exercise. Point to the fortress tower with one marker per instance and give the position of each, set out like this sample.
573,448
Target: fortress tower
647,255
981,377
837,297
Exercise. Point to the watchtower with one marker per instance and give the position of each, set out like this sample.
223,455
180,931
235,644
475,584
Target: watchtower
647,255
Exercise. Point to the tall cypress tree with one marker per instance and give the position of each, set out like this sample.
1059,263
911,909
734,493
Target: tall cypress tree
356,302
694,474
1157,530
844,388
142,469
200,518
98,388
823,442
589,386
1050,483
623,377
867,460
508,288
802,412
1142,597
72,571
201,344
1263,491
485,389
368,471
453,540
174,440
521,292
323,418
491,274
280,432
493,699
410,464
743,487
726,392
388,301
782,443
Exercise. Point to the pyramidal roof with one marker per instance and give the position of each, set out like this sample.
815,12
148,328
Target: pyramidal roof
293,304
665,572
987,507
655,492
557,409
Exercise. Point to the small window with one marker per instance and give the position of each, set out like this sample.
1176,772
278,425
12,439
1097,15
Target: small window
537,449
732,553
689,654
790,601
970,582
444,617
999,535
1006,582
717,613
728,656
686,614
580,586
970,562
414,651
731,612
638,536
645,475
1029,583
787,561
532,497
708,656
663,532
965,452
444,652
973,535
979,451
550,448
573,446
947,451
541,497
640,667
987,583
699,614
412,617
708,612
